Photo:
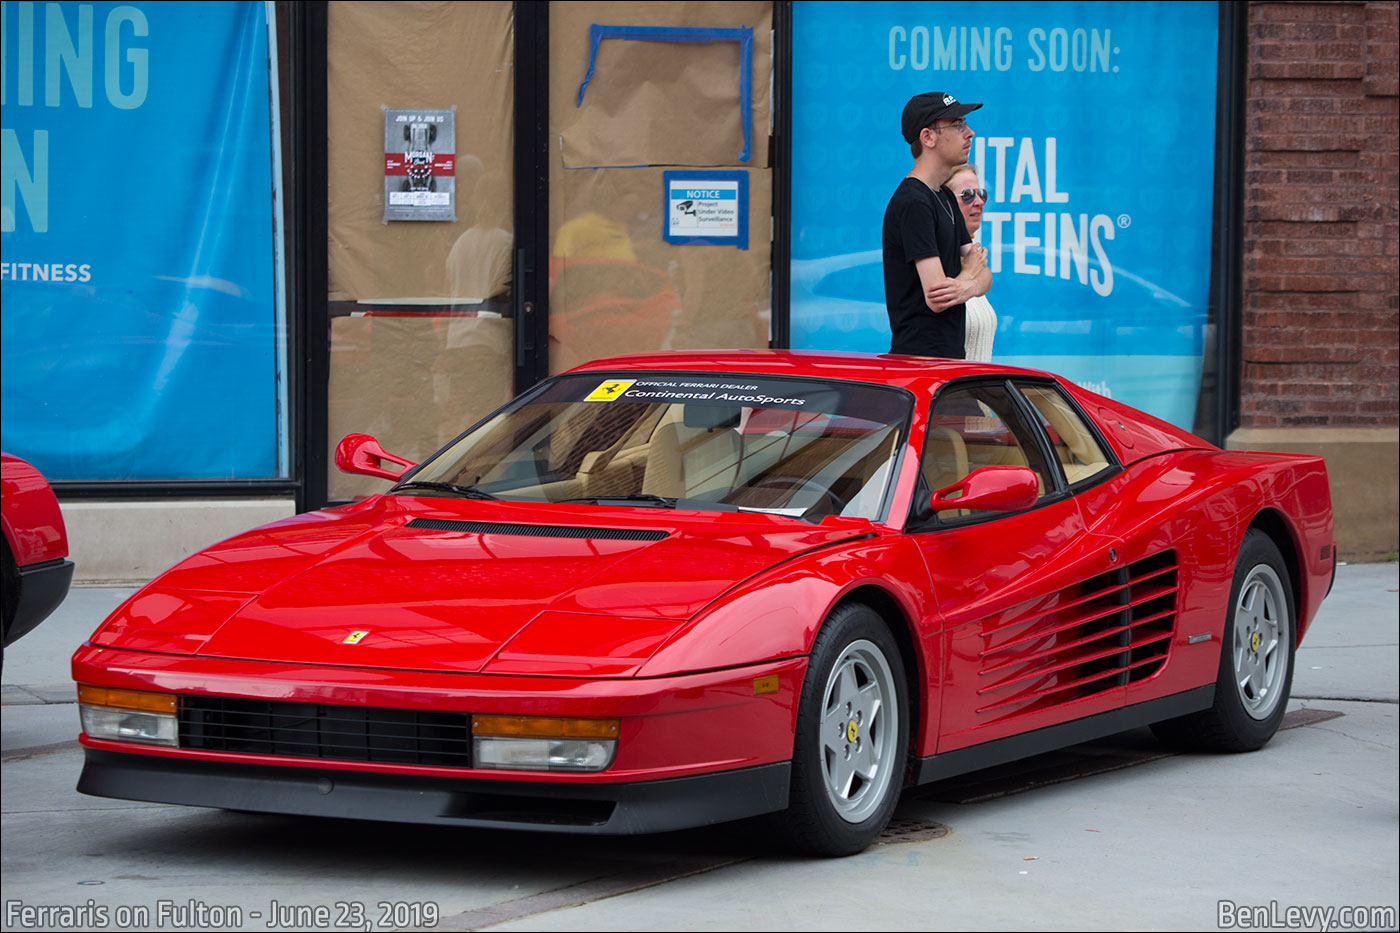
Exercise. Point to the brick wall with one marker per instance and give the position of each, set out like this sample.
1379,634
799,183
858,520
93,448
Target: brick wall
1320,240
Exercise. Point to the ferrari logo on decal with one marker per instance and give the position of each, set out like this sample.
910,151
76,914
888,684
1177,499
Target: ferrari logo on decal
354,638
609,390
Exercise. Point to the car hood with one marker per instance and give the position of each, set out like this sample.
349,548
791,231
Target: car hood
452,585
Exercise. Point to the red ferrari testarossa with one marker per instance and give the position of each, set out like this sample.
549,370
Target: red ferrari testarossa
669,590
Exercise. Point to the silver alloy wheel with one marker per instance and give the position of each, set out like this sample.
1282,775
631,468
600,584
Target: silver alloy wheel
860,723
1262,634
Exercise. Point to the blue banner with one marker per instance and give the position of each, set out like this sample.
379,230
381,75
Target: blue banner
141,337
1096,141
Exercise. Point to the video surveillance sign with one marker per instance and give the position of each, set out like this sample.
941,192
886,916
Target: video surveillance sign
707,207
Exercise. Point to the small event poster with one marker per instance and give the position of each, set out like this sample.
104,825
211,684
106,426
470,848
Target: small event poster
707,207
420,164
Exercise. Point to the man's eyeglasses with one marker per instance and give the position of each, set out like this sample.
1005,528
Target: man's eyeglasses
969,195
955,125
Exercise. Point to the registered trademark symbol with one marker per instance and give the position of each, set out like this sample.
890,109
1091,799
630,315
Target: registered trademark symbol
1125,221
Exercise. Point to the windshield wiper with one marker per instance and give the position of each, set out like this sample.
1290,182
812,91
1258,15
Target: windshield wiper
470,492
643,497
664,502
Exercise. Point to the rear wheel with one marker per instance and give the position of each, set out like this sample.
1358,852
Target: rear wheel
852,737
1256,658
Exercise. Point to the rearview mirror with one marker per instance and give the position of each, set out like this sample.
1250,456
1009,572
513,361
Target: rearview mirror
990,489
361,453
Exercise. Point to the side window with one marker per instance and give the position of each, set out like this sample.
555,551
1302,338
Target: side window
978,426
1076,447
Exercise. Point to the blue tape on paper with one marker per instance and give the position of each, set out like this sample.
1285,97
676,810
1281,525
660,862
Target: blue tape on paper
742,35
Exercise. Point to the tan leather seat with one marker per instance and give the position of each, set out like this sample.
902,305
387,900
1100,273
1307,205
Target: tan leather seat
682,461
945,458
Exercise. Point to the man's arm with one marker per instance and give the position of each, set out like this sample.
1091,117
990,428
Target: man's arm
942,292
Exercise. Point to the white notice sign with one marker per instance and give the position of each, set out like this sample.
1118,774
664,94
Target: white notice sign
707,207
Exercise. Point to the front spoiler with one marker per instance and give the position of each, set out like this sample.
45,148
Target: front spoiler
41,587
601,809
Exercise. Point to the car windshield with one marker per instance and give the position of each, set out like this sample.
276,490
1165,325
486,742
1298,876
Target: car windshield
804,448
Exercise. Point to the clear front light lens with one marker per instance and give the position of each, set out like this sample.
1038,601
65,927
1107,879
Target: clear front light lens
542,754
128,725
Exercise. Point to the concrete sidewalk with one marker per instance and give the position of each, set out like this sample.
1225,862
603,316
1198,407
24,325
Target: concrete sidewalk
1115,835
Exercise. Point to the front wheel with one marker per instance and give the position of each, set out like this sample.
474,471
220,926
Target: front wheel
1256,658
852,737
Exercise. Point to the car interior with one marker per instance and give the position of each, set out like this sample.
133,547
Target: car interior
798,463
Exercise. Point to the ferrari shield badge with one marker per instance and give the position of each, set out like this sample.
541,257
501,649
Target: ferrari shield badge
609,390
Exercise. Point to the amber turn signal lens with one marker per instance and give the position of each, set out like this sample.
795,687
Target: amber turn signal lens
128,699
534,726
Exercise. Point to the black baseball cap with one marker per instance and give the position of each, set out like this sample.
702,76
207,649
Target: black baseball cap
923,109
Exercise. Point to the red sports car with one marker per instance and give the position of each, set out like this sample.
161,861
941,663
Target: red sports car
670,590
36,568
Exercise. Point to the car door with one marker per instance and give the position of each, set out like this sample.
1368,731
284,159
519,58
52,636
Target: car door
1154,567
1027,597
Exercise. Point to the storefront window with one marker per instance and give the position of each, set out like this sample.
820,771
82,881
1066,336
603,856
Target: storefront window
674,94
1096,143
143,329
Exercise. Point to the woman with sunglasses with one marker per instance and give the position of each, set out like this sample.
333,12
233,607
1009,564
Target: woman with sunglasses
981,319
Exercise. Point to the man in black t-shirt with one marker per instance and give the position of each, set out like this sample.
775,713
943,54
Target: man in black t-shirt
931,264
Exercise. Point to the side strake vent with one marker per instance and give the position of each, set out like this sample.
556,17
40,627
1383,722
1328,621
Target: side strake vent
1108,631
538,531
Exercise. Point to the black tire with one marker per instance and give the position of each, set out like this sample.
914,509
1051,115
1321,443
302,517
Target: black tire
855,680
1257,650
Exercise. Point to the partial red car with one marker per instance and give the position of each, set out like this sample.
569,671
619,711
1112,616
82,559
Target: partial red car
36,570
670,590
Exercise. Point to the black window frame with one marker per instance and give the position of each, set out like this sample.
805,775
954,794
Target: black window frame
1030,421
1115,466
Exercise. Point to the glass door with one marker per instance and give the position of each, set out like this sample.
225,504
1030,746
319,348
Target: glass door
420,239
497,214
665,101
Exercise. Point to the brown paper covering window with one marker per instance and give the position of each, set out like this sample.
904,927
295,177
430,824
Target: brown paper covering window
615,285
420,348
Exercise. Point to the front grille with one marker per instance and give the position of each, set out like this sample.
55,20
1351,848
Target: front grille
315,730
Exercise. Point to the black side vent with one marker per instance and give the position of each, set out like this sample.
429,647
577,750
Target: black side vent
538,531
1107,631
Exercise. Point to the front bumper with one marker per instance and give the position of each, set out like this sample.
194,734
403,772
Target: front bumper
693,749
603,809
41,587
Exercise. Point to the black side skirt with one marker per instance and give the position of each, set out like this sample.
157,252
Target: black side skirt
990,754
602,809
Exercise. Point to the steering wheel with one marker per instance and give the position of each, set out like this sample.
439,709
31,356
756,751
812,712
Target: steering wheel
828,502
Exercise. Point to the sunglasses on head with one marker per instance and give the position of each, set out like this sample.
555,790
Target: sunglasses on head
969,195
